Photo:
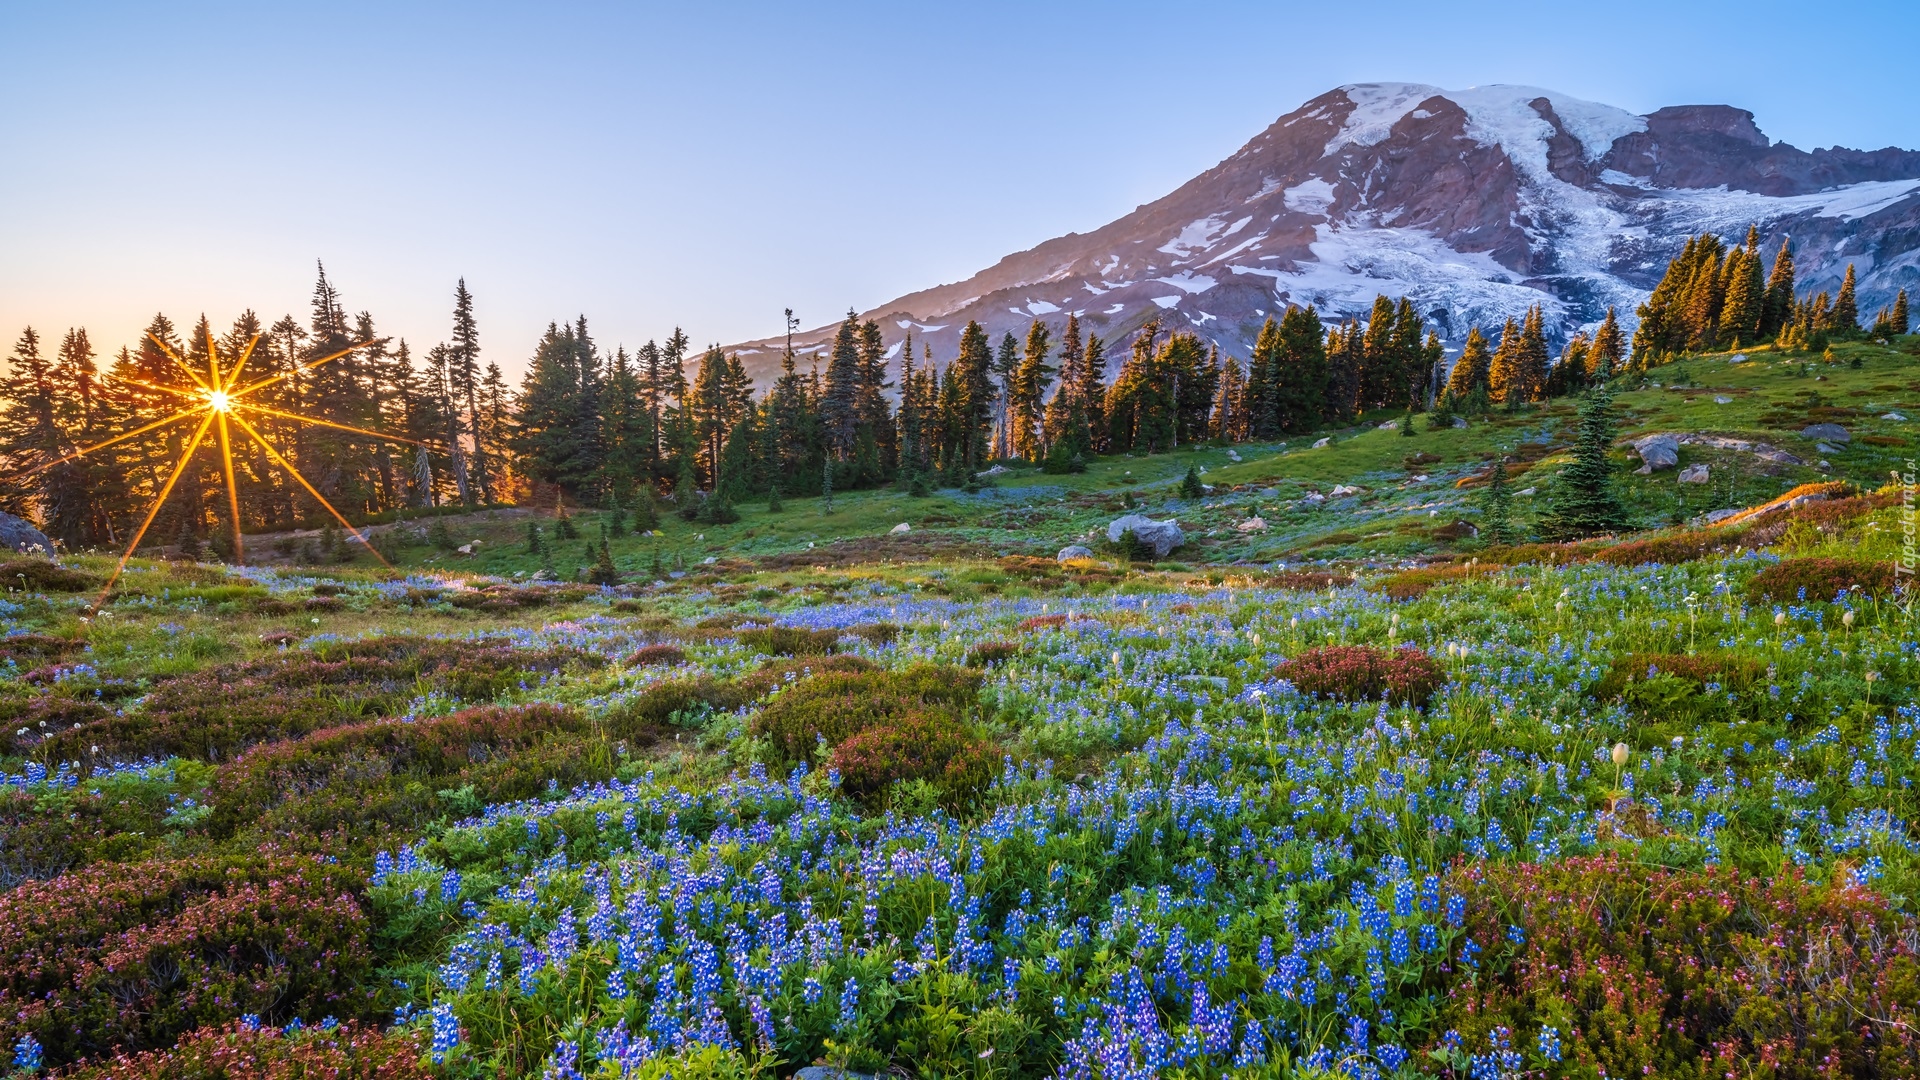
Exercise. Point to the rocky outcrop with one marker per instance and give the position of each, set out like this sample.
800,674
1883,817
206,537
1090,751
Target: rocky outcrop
20,535
1074,552
1157,537
1657,452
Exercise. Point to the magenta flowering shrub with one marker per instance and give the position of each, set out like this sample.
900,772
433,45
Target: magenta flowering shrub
1642,971
130,956
1406,675
251,1051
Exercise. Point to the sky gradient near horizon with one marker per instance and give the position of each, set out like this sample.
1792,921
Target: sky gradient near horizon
708,165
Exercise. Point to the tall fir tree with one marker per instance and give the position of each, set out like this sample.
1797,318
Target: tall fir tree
1778,307
1844,319
464,364
1585,501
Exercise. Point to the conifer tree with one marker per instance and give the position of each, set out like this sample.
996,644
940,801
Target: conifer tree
1585,502
1005,363
1380,374
1897,318
1345,360
973,401
1506,379
1604,353
1300,376
1025,392
1229,421
1058,425
1262,393
1496,508
1778,308
1844,319
1092,398
1471,370
464,363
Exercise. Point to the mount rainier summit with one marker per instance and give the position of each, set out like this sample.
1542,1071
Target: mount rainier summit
1474,203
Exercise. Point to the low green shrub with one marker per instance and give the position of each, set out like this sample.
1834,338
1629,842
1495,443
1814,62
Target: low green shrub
1671,694
831,706
790,641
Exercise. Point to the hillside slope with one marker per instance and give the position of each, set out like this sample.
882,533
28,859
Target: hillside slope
1475,203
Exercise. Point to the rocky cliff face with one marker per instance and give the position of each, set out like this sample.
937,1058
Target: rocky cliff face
1475,203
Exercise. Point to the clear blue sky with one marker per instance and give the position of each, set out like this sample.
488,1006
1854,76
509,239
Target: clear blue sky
708,164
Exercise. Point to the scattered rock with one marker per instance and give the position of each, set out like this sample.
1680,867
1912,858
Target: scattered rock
1252,524
1657,452
997,470
1391,425
1158,537
464,549
1313,498
1694,474
1893,416
1722,399
20,535
1419,478
1460,422
1233,455
1527,491
1344,490
1737,358
546,575
1715,517
1073,552
900,529
1318,443
1823,448
1829,433
708,561
1824,466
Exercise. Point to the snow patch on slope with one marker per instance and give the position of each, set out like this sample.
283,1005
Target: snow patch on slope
1189,282
1313,196
1376,108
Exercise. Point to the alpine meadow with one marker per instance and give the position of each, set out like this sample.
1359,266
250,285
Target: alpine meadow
1433,596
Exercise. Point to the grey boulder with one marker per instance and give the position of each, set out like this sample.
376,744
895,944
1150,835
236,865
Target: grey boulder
1657,452
1158,537
20,535
1832,433
1074,551
1694,474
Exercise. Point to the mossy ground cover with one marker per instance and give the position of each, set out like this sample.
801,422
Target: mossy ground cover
941,805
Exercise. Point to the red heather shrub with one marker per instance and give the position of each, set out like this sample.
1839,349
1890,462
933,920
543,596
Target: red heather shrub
1822,578
353,1051
1412,584
1040,622
1674,548
130,956
876,633
922,744
1692,974
1406,675
989,653
661,655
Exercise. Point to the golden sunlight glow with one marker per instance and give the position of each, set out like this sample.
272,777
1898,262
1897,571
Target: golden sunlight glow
216,400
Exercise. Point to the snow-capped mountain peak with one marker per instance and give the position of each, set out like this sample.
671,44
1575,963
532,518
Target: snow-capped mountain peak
1475,203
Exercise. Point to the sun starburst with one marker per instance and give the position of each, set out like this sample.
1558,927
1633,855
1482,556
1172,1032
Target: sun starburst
219,402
